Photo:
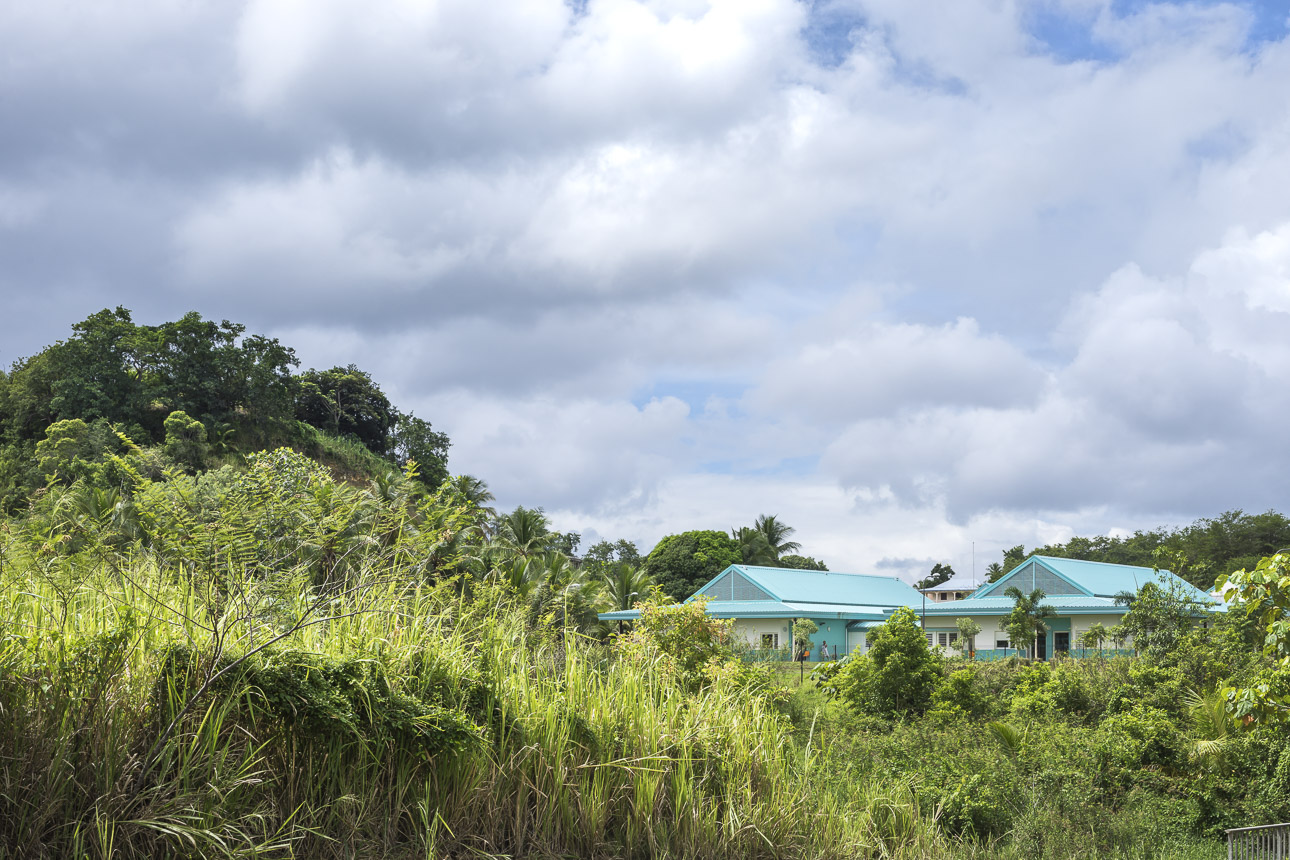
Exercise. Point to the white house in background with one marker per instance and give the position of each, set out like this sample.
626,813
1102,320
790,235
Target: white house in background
957,588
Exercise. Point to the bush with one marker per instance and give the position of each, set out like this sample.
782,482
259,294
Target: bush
899,673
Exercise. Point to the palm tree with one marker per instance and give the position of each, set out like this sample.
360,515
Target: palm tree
625,585
523,532
1031,608
776,534
993,571
753,546
1094,636
474,492
472,489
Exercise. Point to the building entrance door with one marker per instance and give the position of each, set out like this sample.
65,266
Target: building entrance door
1041,648
1061,642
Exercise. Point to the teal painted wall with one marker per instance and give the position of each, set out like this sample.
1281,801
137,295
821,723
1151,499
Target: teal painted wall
833,631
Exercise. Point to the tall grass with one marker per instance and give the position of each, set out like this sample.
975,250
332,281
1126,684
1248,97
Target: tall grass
412,720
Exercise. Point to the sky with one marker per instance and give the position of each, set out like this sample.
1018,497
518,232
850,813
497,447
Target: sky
925,280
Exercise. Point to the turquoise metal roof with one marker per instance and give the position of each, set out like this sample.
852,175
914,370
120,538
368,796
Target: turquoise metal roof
1107,580
831,587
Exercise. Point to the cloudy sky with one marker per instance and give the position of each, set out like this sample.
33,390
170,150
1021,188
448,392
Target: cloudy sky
910,274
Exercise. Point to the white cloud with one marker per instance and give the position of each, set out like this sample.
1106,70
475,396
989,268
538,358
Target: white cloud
955,279
878,369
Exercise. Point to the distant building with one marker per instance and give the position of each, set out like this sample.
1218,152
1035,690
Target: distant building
1082,593
957,588
764,601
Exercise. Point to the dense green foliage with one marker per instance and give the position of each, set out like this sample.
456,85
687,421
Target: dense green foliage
210,649
681,563
801,562
940,573
200,393
1139,755
1200,553
265,661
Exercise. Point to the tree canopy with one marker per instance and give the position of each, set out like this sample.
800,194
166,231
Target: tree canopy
235,392
680,563
940,573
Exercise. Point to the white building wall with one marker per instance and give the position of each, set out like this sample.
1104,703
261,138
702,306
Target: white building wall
752,629
992,628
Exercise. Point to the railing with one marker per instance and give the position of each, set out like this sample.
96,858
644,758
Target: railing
1259,843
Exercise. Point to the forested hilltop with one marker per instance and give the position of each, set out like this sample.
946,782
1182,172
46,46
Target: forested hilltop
244,614
193,394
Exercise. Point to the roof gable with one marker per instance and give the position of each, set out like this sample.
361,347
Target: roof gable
731,584
1095,578
789,585
1034,573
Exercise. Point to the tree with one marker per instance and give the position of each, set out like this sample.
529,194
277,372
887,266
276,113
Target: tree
186,441
1013,557
412,438
776,534
604,555
993,572
1264,594
680,563
898,674
803,630
802,562
968,629
753,546
524,532
1094,636
1158,617
940,573
346,402
625,584
1026,621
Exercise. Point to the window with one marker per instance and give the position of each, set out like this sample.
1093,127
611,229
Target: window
946,639
1001,643
770,640
931,638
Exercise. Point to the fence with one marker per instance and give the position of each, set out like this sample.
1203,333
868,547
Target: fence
1259,843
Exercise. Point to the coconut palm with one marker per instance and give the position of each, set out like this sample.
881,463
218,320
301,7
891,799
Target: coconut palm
1031,610
624,586
473,490
523,532
776,534
754,548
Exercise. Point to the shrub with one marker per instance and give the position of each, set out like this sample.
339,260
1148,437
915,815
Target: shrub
898,674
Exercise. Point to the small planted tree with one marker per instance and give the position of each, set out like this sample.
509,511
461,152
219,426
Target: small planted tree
898,675
1093,637
1028,615
966,643
803,630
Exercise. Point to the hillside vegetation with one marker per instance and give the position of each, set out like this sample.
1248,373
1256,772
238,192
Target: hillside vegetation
210,648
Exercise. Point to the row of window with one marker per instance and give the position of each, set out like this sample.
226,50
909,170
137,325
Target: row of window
943,640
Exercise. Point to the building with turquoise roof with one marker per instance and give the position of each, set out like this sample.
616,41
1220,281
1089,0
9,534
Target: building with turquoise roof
1083,593
764,601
